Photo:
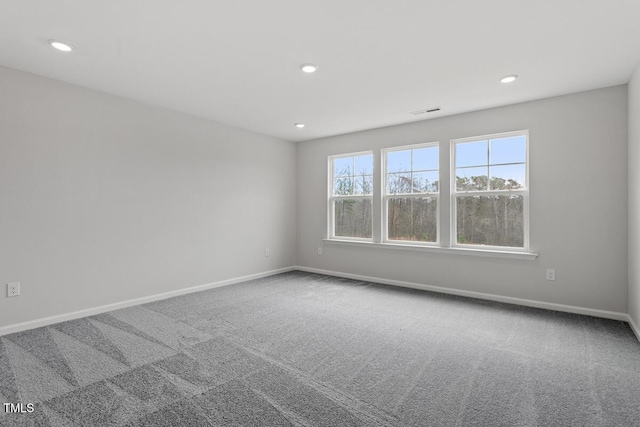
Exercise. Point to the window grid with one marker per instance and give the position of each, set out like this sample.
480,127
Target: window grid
414,195
511,188
511,193
352,196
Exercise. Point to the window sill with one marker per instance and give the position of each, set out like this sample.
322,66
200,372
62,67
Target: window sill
435,249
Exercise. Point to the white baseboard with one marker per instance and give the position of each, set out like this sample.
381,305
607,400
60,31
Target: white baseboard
5,330
510,300
45,321
634,327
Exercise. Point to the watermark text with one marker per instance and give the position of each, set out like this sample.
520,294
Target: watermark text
18,408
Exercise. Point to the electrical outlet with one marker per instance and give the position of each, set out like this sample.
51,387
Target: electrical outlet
319,251
266,252
13,289
551,274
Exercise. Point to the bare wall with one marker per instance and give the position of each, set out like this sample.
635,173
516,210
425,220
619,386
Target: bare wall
578,199
104,200
634,197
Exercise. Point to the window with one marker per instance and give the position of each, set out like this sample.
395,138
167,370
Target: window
471,196
490,191
351,196
411,193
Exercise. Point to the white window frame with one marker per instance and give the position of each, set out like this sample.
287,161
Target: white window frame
454,193
386,196
331,198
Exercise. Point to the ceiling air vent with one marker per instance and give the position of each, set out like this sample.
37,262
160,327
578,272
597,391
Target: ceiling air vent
428,110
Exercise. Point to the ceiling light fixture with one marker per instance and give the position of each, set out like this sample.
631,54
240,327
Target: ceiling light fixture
309,68
509,79
300,125
64,47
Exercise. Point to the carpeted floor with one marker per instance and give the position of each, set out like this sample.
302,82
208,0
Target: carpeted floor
309,350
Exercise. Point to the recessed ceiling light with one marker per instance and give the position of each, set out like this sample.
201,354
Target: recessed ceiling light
300,125
309,68
509,79
60,46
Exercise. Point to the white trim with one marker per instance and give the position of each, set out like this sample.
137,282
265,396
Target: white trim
423,247
633,326
489,193
454,193
408,195
353,154
350,239
18,327
386,196
479,295
491,136
45,321
331,198
354,197
417,146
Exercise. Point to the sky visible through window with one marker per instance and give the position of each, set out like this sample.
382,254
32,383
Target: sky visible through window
489,192
358,165
353,175
423,159
413,170
503,158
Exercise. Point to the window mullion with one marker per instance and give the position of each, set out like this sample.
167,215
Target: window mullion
489,193
491,217
409,219
353,220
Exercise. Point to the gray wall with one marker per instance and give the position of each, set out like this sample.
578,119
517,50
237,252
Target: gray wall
578,197
634,197
104,200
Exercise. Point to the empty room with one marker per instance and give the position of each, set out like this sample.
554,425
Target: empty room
295,213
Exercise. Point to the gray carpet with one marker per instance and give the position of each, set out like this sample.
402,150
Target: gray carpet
301,349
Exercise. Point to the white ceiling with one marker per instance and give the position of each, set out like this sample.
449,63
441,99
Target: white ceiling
237,62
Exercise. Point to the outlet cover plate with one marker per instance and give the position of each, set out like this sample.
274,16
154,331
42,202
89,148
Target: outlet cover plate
13,289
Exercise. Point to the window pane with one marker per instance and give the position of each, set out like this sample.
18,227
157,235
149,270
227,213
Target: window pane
343,166
471,153
425,158
364,185
364,165
490,220
471,179
509,177
424,182
353,218
398,161
343,186
413,219
508,150
399,183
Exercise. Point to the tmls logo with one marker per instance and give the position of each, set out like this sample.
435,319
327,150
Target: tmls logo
18,408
